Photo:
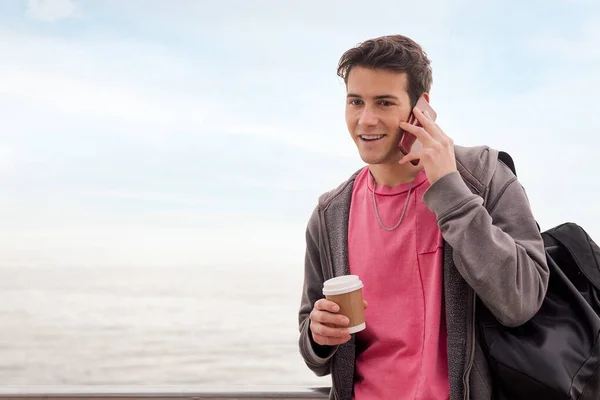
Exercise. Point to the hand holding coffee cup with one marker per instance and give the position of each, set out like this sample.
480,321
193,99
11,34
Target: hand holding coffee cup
341,313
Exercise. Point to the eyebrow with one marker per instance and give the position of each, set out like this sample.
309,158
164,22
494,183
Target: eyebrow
380,97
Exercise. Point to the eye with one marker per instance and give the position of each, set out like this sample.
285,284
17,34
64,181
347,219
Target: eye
355,102
386,103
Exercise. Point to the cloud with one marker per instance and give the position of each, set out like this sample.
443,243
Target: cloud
52,10
249,114
138,197
110,83
582,46
97,99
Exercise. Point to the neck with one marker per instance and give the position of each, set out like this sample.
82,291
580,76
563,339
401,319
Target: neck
394,174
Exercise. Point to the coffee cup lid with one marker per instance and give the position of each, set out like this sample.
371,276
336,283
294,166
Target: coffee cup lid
341,284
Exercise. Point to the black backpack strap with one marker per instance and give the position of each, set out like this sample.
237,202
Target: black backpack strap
582,248
507,160
485,317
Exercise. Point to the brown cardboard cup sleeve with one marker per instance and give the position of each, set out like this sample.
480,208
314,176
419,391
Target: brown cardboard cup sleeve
346,292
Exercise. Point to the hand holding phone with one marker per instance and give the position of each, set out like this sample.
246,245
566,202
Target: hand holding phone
408,141
434,150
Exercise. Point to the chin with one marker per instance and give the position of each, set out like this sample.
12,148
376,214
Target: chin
380,158
374,159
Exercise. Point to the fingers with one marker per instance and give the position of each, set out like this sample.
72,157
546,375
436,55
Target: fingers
428,132
418,131
327,334
326,325
330,341
365,304
323,314
326,305
432,137
428,123
418,155
327,331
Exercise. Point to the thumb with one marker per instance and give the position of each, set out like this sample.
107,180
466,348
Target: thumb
409,157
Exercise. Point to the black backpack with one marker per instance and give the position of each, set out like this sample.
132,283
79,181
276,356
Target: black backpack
556,354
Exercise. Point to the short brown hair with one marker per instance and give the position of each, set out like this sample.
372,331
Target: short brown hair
396,53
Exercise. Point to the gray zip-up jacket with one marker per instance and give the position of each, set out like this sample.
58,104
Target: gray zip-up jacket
492,250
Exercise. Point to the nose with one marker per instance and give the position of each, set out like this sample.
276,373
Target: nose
367,117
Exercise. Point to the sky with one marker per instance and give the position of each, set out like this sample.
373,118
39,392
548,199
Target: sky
202,132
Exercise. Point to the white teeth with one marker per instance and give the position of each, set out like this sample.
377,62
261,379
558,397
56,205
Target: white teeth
371,137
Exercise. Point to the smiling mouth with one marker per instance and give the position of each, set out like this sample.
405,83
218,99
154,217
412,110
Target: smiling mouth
370,138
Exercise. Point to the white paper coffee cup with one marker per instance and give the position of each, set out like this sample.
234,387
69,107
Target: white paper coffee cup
346,292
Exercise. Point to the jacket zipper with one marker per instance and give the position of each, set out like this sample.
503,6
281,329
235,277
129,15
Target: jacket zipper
324,244
470,343
471,307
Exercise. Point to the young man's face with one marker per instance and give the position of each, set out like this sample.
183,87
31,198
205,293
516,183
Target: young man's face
376,102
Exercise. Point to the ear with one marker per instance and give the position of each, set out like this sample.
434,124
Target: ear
426,96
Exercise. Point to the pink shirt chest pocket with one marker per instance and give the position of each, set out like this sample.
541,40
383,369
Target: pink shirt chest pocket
428,236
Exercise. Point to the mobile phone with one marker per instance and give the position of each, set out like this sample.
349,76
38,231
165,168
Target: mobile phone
408,141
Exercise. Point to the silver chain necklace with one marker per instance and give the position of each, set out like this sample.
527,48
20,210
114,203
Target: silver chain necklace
403,211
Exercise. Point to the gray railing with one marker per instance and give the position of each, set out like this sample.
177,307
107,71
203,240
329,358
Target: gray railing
233,392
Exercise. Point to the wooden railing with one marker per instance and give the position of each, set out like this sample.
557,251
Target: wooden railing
162,393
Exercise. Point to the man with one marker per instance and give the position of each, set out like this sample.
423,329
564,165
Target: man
427,240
